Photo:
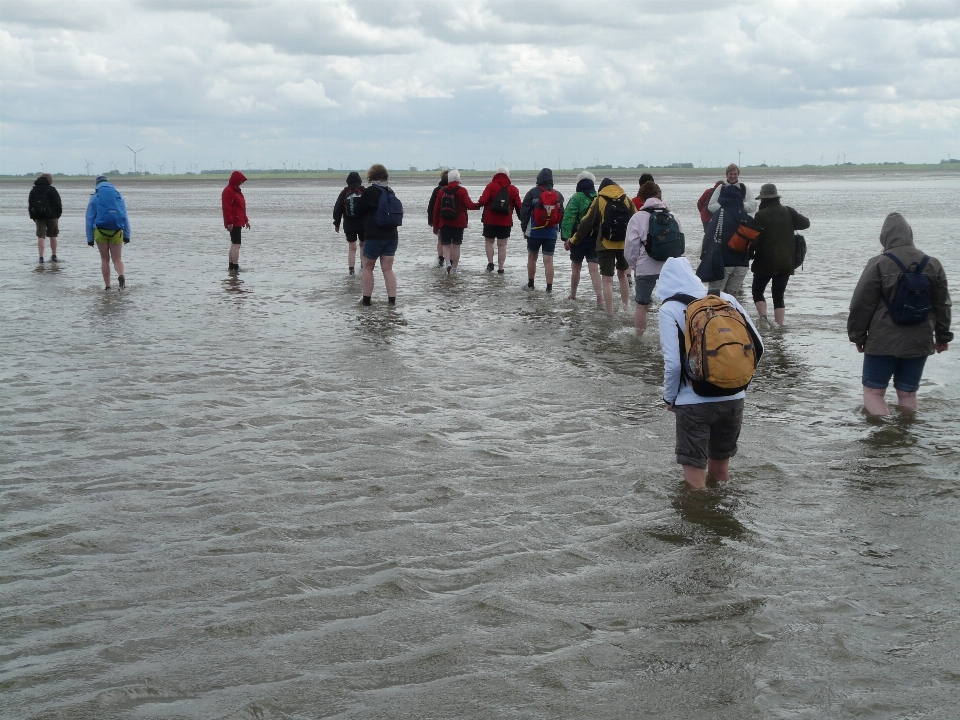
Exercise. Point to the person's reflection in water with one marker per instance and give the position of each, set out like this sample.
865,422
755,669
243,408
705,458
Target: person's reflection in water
234,285
712,510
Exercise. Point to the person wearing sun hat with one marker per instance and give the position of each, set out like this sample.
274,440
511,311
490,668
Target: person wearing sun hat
774,251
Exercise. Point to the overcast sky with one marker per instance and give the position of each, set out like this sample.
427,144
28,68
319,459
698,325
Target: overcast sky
464,82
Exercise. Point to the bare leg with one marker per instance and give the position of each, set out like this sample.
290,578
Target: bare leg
696,478
366,276
40,245
907,401
719,470
454,254
574,279
501,253
104,263
389,278
115,251
548,268
640,319
873,401
594,271
445,251
489,247
762,308
780,315
53,246
608,294
532,265
624,288
351,254
234,254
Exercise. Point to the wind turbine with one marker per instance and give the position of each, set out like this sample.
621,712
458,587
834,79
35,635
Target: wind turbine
174,170
160,165
739,153
88,166
135,166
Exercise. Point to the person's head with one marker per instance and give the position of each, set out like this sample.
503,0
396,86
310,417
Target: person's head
649,190
100,179
503,170
353,179
733,173
606,182
453,176
768,191
377,173
48,177
444,177
645,178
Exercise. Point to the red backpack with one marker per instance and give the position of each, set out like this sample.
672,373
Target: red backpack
546,213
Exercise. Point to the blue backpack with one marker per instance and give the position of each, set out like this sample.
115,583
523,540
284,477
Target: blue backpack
911,303
110,210
389,209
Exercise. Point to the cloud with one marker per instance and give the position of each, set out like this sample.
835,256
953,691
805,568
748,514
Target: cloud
309,93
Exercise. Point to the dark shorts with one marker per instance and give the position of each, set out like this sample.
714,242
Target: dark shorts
372,249
584,250
47,228
544,245
235,235
645,285
610,260
451,236
906,372
496,232
354,236
708,430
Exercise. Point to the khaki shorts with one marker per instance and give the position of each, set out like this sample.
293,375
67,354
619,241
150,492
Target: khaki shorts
110,237
48,228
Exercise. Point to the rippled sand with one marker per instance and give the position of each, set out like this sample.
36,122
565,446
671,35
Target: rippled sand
253,498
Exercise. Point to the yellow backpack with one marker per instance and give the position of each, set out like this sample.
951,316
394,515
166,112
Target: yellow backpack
719,350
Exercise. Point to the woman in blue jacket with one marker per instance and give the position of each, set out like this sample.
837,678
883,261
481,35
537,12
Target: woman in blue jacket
108,227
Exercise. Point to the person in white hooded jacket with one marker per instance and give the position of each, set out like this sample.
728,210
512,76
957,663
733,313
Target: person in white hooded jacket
707,427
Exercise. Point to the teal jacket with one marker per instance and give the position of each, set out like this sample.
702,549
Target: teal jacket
576,209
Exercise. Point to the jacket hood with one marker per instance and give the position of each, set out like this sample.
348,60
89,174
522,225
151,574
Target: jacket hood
353,180
586,186
501,179
609,189
654,203
896,232
41,181
677,277
545,178
237,177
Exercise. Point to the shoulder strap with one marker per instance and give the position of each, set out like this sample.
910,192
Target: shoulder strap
903,268
922,264
681,298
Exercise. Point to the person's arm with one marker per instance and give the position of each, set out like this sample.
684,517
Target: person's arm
515,200
91,217
126,220
486,196
670,334
799,221
570,217
863,304
714,203
588,222
526,207
634,240
749,204
465,199
33,195
940,298
226,202
338,209
57,203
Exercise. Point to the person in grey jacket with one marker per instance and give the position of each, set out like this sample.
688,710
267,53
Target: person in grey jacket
892,350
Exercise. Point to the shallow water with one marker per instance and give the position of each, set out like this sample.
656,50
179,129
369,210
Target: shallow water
252,498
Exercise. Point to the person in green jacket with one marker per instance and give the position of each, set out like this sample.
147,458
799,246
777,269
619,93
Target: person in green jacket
774,251
585,249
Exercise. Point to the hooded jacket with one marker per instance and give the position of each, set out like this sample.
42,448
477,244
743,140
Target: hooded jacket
350,224
43,193
676,278
489,194
592,222
234,204
464,203
775,248
869,324
369,201
432,202
634,248
95,212
578,206
544,182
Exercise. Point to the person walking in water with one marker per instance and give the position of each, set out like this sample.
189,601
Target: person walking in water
234,216
345,210
540,216
450,219
608,217
45,210
444,178
381,238
586,249
705,398
899,316
733,196
108,227
500,200
774,251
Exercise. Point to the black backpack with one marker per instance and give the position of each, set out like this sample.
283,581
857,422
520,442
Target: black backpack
911,303
799,250
39,206
449,206
615,218
501,203
351,203
664,239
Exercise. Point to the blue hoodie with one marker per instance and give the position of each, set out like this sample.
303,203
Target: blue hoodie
107,210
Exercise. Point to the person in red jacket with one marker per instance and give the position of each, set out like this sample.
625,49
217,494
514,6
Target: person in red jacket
235,216
450,218
705,214
499,200
637,202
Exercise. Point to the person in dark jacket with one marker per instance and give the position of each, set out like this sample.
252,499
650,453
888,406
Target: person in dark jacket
544,238
352,224
380,242
444,179
774,250
734,197
497,225
891,349
455,201
234,216
45,210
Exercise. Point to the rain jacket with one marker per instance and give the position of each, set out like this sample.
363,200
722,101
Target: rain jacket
634,249
775,248
432,201
464,203
368,210
705,214
95,212
592,222
676,277
577,208
544,182
234,204
350,225
489,194
43,190
869,323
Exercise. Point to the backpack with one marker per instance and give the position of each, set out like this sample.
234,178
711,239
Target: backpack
449,206
718,349
110,210
664,239
911,304
389,209
39,207
616,215
546,211
351,203
501,203
799,250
